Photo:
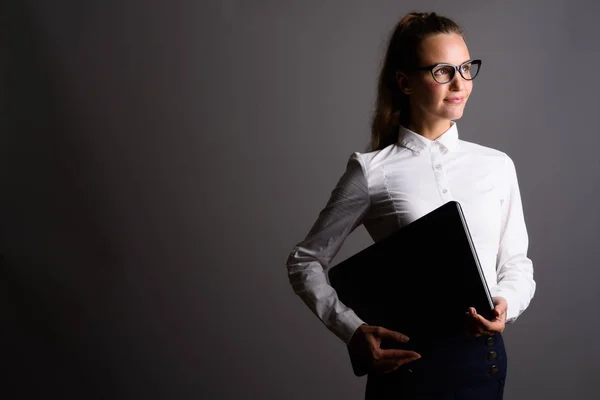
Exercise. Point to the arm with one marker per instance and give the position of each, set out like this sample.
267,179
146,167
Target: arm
344,211
514,268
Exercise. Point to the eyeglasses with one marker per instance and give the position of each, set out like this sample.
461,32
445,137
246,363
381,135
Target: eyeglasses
444,73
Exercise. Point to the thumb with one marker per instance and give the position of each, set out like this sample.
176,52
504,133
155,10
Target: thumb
500,310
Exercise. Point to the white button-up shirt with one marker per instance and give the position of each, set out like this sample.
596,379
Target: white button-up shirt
387,189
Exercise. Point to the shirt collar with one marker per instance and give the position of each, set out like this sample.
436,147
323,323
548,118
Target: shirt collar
418,143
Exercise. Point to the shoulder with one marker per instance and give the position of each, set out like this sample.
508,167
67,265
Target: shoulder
490,154
371,160
479,149
497,160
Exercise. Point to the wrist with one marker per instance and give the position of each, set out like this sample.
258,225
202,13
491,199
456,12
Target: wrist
357,331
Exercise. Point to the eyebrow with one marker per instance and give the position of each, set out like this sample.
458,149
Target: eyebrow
470,59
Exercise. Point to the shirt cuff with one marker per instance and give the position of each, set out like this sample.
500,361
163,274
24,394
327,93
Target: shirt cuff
349,323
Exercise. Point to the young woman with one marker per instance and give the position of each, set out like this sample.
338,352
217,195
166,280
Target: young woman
417,163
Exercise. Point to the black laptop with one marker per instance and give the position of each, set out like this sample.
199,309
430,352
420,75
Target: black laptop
420,280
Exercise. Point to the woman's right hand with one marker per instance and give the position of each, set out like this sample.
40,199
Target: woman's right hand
365,349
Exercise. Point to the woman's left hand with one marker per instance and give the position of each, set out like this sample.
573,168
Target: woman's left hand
477,325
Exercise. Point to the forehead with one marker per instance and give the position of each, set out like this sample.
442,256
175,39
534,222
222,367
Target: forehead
443,48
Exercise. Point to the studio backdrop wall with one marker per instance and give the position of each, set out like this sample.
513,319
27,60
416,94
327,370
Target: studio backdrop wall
161,159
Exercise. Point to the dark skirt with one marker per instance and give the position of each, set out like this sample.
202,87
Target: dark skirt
458,368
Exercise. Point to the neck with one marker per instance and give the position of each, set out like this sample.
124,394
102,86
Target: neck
430,129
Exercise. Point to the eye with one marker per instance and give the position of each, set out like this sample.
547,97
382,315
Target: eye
441,71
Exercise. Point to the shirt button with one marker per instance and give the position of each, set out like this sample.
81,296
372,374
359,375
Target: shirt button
438,167
445,191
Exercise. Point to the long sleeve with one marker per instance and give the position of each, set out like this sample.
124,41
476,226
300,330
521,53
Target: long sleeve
514,268
308,261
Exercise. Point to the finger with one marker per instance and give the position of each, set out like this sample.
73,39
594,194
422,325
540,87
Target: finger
471,318
486,326
500,313
474,330
473,326
481,320
373,339
388,366
382,365
409,359
395,354
389,334
483,331
500,302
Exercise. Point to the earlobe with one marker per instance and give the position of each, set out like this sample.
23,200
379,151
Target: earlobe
403,82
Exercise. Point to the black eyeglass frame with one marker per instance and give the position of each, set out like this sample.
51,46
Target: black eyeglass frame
458,68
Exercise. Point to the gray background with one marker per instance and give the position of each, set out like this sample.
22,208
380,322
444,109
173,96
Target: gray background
160,160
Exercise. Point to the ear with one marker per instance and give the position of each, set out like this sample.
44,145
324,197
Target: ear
403,84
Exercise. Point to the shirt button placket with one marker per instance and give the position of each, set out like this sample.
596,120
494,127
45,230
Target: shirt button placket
440,177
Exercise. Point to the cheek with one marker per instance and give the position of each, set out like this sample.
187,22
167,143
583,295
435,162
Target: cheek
434,92
432,87
469,87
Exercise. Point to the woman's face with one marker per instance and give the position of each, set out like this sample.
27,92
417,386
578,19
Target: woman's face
429,100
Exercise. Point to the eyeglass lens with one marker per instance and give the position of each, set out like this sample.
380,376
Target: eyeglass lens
444,73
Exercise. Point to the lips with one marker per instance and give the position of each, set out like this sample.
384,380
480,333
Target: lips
455,100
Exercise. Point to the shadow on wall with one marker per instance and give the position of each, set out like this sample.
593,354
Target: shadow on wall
57,272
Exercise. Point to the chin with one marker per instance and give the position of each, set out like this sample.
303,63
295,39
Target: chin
454,115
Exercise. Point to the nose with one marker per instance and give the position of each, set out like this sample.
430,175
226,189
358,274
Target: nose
458,82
